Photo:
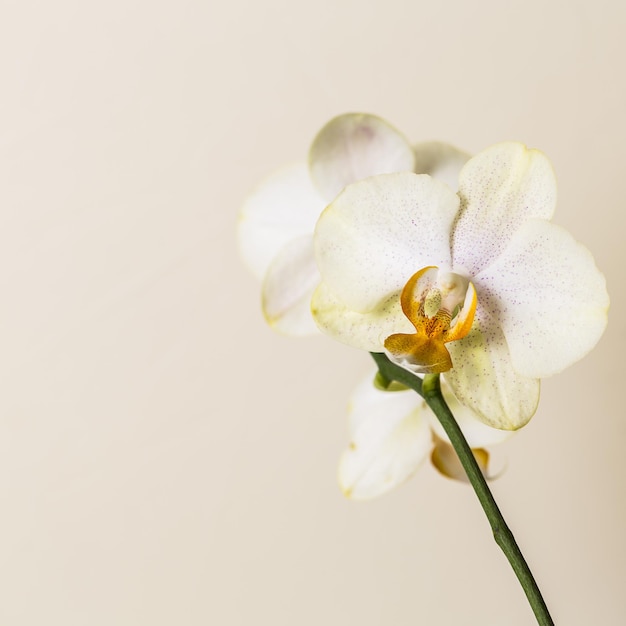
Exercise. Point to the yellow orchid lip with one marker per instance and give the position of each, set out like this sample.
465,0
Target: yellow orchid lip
441,306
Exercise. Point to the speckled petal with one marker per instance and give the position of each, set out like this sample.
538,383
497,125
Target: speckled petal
549,298
483,377
288,287
441,161
477,433
500,188
285,206
378,232
389,440
365,331
354,146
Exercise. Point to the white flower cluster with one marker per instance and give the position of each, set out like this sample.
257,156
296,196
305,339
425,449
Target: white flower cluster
446,263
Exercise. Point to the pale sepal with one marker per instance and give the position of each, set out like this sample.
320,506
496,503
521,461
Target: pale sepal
288,288
441,161
389,439
284,206
500,188
355,146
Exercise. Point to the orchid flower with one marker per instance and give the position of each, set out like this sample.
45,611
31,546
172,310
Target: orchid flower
393,432
276,223
478,284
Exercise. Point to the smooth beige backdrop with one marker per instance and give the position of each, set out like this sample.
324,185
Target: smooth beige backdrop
165,459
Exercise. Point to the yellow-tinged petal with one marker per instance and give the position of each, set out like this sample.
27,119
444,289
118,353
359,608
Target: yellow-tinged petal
365,331
477,433
483,377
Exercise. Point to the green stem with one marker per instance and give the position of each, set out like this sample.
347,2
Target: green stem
430,390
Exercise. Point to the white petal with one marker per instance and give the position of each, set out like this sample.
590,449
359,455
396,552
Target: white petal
288,287
441,161
389,439
477,433
549,298
500,188
284,206
483,378
354,146
378,232
365,331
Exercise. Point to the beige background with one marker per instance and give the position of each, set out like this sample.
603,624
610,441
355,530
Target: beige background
164,457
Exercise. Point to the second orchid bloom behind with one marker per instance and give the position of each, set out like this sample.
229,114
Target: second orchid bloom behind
393,432
277,221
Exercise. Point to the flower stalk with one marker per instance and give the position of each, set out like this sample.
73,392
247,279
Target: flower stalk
429,388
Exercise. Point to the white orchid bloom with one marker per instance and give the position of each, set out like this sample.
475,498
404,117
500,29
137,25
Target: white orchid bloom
479,285
393,432
277,221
